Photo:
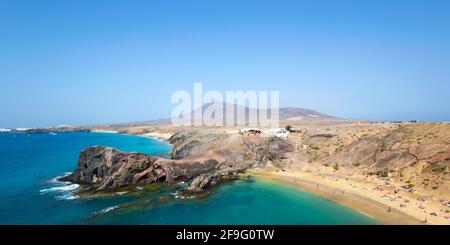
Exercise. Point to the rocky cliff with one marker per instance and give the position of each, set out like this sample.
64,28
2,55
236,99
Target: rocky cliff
105,167
202,158
412,153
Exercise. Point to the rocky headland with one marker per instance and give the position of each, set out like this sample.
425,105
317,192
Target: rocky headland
402,167
201,158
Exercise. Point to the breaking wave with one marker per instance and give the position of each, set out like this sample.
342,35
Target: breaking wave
64,188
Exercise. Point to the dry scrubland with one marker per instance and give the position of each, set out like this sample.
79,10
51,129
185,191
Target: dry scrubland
417,154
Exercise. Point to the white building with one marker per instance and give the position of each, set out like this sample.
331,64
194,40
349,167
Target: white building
278,132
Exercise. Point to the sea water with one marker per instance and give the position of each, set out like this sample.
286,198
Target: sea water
30,194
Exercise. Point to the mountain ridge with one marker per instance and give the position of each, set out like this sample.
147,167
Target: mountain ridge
285,114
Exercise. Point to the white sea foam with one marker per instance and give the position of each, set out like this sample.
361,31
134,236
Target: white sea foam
105,210
55,180
64,188
67,196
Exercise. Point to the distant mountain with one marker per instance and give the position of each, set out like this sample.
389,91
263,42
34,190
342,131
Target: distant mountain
292,113
285,114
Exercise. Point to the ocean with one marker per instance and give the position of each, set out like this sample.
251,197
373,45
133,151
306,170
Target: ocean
30,194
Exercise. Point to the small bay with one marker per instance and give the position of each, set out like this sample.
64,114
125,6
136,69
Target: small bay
29,193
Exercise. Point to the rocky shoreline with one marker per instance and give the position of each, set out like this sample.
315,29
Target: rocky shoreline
372,155
64,129
201,158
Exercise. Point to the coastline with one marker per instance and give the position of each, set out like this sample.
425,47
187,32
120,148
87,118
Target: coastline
104,131
156,135
360,193
363,200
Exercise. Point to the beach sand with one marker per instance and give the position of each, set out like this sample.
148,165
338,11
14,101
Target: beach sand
103,131
159,135
381,203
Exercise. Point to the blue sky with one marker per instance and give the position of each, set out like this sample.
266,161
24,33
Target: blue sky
85,62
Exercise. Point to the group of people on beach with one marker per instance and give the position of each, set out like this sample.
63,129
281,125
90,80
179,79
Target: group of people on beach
397,197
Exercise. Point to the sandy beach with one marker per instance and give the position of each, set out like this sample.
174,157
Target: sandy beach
369,197
158,135
96,130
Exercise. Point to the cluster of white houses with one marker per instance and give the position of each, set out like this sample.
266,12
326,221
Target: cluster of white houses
278,132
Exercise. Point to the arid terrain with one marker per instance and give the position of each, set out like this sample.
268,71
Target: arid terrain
402,167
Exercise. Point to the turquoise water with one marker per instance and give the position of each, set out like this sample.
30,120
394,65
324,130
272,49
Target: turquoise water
29,194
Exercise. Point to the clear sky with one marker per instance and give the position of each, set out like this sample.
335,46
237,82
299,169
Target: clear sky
85,62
